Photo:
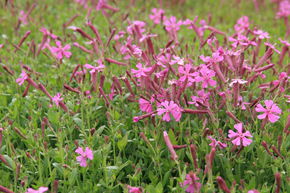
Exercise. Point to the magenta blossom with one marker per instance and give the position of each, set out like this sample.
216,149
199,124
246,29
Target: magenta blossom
284,9
40,190
186,72
216,57
240,138
169,108
215,143
59,52
145,105
23,17
271,112
140,25
156,15
242,24
84,155
177,60
191,181
48,33
206,77
172,25
134,189
22,78
237,81
57,99
141,72
261,34
253,191
272,47
94,69
203,98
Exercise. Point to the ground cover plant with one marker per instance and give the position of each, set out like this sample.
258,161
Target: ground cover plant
144,96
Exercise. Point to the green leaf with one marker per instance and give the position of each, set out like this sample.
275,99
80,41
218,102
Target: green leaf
122,143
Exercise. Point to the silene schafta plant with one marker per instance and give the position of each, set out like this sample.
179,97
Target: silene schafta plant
150,98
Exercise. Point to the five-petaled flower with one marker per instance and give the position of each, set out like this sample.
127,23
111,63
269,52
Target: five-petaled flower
191,181
146,105
94,69
40,190
84,155
22,78
215,143
134,189
186,73
59,52
141,72
240,138
156,15
206,77
57,99
169,108
271,112
172,25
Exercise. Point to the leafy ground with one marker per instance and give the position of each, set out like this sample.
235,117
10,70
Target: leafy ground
39,133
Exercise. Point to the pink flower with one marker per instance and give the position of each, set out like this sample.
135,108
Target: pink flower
287,98
202,98
215,143
284,42
186,73
60,51
171,24
242,24
191,181
240,138
272,47
136,25
40,190
134,189
163,59
216,57
22,78
284,9
206,77
119,35
141,72
23,17
147,36
253,191
261,34
48,33
169,108
57,99
177,60
156,17
237,81
84,155
145,105
271,112
94,69
242,103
